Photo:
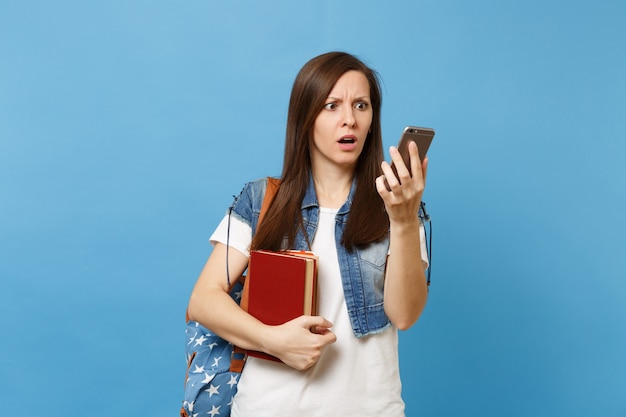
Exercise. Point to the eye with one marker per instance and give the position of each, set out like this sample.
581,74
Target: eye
362,105
330,106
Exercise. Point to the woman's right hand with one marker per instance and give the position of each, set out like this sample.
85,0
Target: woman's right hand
300,342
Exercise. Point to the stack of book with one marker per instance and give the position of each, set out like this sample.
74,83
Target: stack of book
280,287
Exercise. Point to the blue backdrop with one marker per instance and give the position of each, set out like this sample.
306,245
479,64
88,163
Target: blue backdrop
127,126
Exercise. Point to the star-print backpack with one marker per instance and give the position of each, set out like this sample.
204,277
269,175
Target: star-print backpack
213,364
213,372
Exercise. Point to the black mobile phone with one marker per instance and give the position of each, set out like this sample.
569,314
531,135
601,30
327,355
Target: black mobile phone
422,136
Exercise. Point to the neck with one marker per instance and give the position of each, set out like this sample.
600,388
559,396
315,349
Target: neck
332,190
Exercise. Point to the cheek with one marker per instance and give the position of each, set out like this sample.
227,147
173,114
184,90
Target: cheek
322,129
366,120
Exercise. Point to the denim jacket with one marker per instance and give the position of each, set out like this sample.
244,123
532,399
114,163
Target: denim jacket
362,271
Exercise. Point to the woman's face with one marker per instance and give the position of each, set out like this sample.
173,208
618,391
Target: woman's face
342,126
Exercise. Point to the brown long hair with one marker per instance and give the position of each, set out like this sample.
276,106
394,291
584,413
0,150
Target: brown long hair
367,221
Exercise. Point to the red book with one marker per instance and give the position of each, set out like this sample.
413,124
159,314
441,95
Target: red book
280,286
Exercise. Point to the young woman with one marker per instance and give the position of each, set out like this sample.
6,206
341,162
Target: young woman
340,199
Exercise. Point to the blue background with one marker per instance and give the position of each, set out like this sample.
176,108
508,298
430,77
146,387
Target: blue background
127,126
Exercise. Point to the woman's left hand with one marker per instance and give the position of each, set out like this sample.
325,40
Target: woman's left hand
402,195
405,282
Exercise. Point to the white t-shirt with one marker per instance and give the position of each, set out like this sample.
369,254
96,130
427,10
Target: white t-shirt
353,377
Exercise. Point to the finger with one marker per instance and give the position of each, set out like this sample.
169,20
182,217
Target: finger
325,336
381,184
414,159
328,338
424,168
398,162
390,180
320,330
311,322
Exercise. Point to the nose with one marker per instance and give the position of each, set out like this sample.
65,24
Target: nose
348,118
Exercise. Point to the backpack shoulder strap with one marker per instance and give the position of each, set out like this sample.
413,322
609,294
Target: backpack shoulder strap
270,192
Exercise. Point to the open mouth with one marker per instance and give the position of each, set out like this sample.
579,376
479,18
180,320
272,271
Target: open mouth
346,140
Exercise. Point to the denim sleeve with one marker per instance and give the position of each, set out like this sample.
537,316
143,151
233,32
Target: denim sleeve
247,205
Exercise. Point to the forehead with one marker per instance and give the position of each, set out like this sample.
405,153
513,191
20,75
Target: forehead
351,82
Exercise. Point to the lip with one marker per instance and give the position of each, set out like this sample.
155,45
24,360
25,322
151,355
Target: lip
347,146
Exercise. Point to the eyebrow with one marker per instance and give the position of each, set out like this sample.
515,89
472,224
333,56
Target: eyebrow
360,98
